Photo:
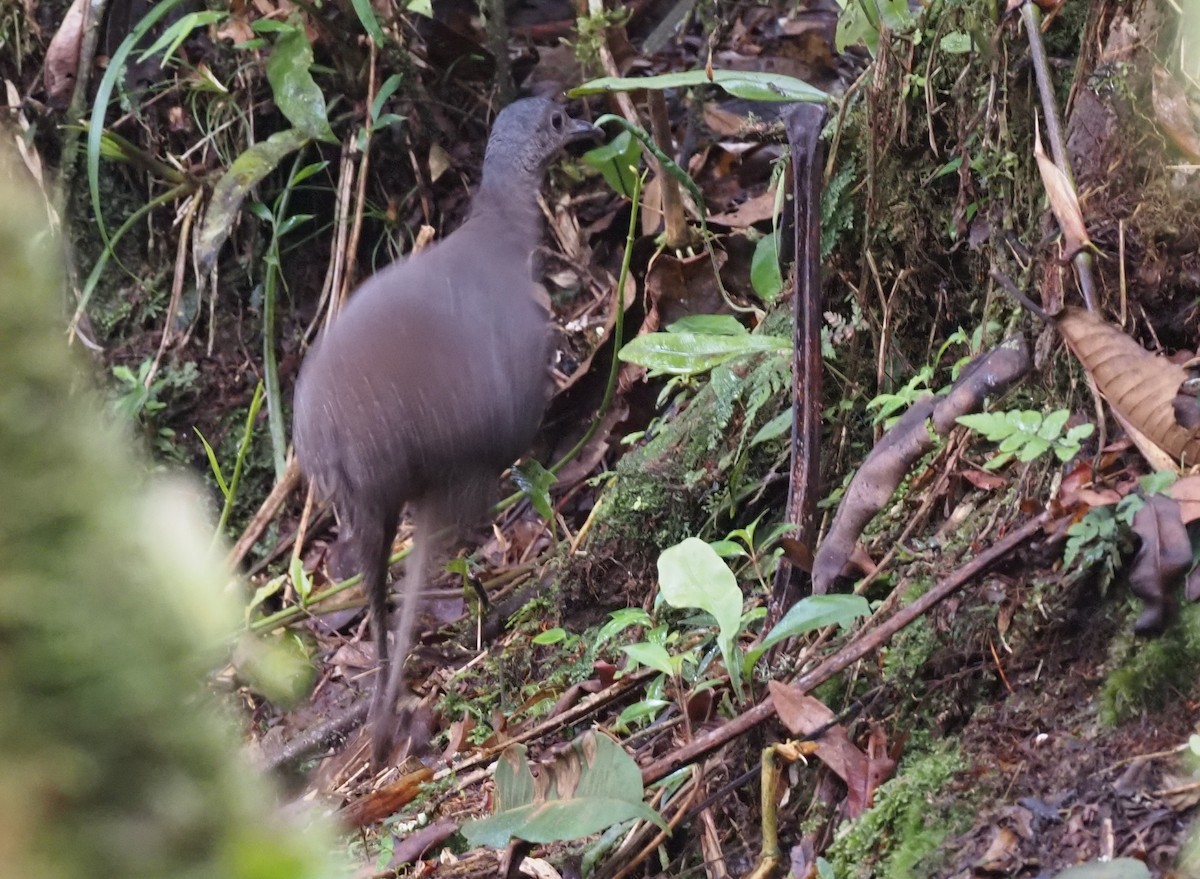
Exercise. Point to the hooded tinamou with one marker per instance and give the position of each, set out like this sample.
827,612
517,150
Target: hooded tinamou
433,379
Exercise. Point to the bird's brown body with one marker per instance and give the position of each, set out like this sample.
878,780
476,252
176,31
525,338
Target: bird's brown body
434,378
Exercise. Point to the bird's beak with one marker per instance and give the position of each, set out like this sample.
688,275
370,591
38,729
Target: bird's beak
583,132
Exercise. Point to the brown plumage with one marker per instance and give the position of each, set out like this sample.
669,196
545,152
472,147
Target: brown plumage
433,379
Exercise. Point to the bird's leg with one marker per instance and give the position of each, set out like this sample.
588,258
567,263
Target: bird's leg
372,538
388,688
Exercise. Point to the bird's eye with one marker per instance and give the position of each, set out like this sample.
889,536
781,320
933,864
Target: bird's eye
556,121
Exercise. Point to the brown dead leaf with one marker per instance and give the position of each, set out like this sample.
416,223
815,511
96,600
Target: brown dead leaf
1063,200
1177,117
1137,384
805,715
757,209
1180,792
62,55
1186,492
1161,563
678,287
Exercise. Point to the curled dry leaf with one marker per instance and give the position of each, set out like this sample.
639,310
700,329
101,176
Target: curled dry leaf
1063,201
909,439
62,55
1186,492
805,715
1177,117
1161,563
1139,386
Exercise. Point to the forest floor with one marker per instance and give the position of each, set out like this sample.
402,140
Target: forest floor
1016,728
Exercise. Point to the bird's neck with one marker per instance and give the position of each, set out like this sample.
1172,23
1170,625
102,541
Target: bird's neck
507,198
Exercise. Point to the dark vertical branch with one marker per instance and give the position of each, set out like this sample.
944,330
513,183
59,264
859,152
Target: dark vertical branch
804,123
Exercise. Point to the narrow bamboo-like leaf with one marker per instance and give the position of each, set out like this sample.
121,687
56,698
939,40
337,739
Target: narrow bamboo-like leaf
115,69
174,36
367,18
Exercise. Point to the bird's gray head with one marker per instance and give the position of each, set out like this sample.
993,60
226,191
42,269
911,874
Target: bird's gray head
526,136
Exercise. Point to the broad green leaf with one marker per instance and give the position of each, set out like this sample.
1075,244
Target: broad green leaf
693,353
956,43
646,708
709,325
691,574
244,174
1026,420
862,21
750,85
590,787
992,425
1117,868
617,162
727,549
620,620
550,636
765,276
778,426
653,656
297,94
1053,424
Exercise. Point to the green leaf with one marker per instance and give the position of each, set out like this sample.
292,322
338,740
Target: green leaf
1053,423
653,656
808,615
536,481
709,325
385,91
95,129
366,17
778,426
646,708
1117,868
727,549
620,620
691,574
550,636
992,425
956,43
617,162
590,787
174,36
765,276
752,86
243,175
297,94
213,464
694,353
1034,448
